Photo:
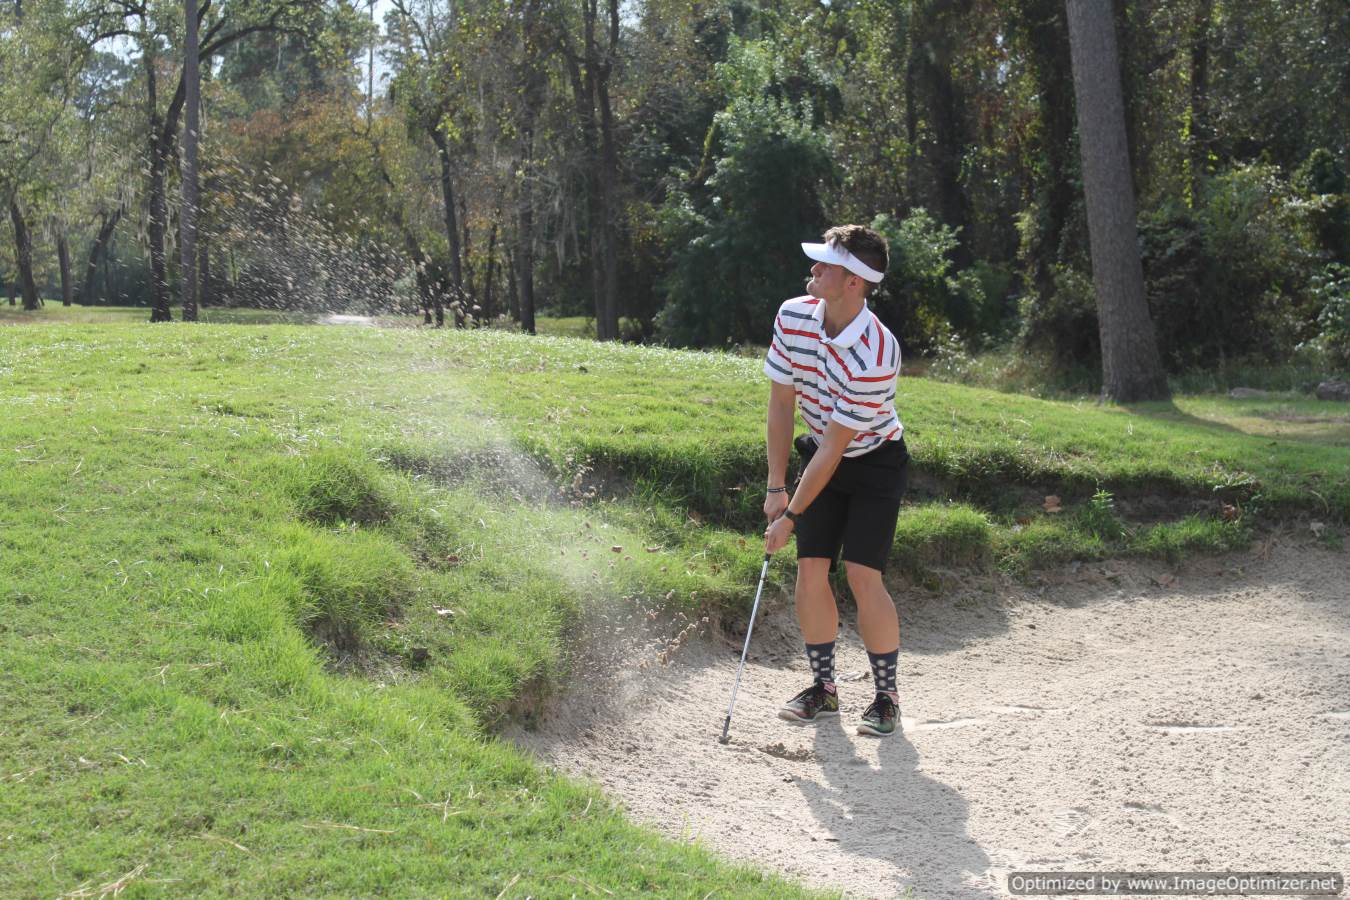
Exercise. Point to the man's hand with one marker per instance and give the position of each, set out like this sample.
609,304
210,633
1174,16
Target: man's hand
777,534
774,504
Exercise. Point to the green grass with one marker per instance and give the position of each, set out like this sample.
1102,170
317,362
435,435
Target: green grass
54,313
266,593
253,656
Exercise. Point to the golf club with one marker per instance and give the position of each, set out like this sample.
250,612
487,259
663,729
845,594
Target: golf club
726,726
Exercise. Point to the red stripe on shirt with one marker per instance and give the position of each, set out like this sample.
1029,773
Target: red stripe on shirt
840,361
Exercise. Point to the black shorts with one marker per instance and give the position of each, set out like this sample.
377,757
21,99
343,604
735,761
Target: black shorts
858,509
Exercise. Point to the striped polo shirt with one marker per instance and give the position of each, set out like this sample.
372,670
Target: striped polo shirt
849,378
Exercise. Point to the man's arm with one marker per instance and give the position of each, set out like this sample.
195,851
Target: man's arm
821,468
782,406
817,475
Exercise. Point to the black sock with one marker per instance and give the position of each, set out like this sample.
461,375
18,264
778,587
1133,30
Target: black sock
883,670
821,657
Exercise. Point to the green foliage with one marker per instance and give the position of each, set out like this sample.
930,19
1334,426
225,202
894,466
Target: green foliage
1062,324
733,241
921,293
1331,292
1100,519
1173,541
1044,542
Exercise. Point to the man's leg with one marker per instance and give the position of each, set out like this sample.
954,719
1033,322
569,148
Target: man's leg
878,622
817,612
819,619
879,625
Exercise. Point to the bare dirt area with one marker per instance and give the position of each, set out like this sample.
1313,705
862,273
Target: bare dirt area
1117,716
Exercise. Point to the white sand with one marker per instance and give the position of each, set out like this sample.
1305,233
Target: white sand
1102,720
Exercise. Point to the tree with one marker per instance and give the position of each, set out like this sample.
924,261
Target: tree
191,192
1131,366
151,26
41,55
590,69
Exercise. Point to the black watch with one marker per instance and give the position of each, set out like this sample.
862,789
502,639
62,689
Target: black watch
791,516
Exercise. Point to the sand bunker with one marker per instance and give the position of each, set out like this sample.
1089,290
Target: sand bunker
1109,718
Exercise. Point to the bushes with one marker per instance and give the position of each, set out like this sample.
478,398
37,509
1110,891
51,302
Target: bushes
733,240
1331,292
922,299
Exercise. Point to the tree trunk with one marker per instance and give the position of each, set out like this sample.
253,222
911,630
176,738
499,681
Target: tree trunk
488,312
451,226
205,294
99,248
466,248
23,255
63,259
1131,367
1048,46
933,55
159,210
187,217
1199,145
532,99
609,176
512,286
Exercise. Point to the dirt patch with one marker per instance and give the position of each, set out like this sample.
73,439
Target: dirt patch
1114,716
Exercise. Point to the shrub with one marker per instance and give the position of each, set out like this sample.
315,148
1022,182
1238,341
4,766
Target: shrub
733,240
1064,323
922,298
1331,290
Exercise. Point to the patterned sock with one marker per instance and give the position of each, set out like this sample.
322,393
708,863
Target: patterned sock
883,670
821,657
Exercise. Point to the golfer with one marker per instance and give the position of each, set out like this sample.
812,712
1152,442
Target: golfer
837,364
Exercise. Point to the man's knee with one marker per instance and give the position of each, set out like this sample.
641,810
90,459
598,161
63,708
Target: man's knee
864,581
812,572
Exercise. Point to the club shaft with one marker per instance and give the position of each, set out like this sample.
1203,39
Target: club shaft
726,727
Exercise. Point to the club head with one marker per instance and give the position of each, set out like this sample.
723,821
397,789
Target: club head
724,739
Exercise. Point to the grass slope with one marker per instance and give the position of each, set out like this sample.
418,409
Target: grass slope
195,541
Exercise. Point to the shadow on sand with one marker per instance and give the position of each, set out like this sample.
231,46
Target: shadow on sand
893,813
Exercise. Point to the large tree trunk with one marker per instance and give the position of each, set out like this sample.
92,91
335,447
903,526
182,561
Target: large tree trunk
187,217
97,251
159,207
63,259
534,85
451,226
1131,367
585,95
933,55
609,176
1199,144
23,255
205,296
1048,45
489,313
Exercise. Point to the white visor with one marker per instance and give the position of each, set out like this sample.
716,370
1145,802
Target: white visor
836,255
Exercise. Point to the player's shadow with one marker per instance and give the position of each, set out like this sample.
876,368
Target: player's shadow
892,812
